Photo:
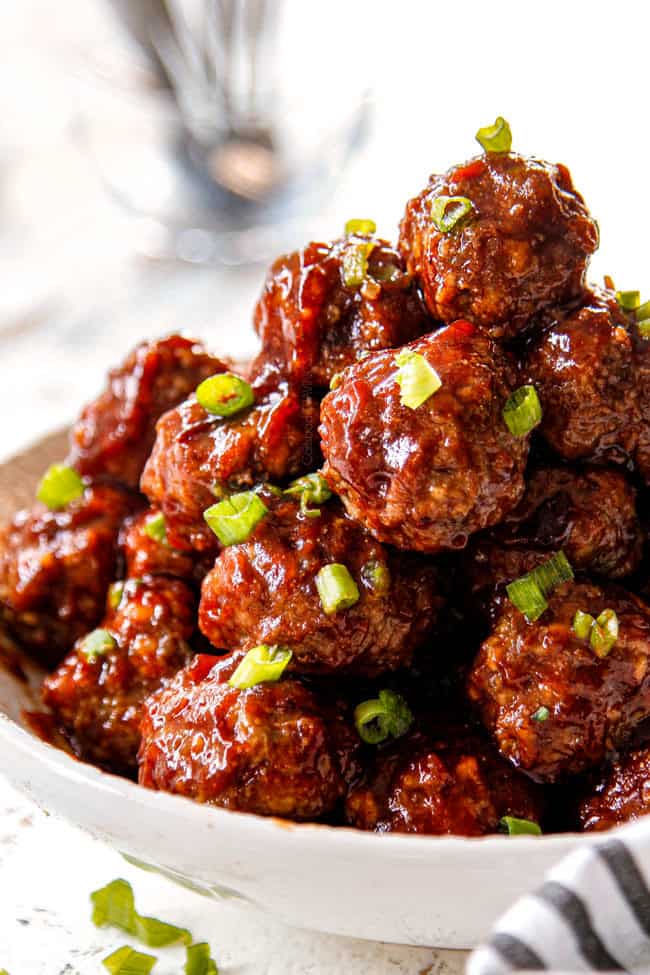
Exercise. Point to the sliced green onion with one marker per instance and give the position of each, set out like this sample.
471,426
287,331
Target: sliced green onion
417,379
336,380
643,311
311,489
376,575
361,228
115,593
495,138
449,212
582,624
541,714
604,633
233,519
522,411
629,300
128,961
519,827
225,394
644,328
553,573
354,265
261,665
386,716
199,962
529,592
114,906
97,644
156,529
59,486
336,588
388,273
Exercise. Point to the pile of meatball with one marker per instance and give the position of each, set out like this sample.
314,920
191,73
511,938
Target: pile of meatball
295,597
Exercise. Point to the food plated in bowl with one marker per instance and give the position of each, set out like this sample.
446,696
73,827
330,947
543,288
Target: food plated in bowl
388,578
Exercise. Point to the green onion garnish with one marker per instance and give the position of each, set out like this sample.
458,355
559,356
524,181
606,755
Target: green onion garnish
553,573
311,489
376,575
386,716
97,644
417,379
128,961
156,529
519,827
529,592
541,714
522,411
336,380
114,906
629,300
644,328
360,228
336,588
261,665
604,633
354,265
449,212
59,486
643,311
233,519
582,624
199,962
495,138
225,394
115,593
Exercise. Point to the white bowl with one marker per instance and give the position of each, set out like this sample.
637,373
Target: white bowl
418,890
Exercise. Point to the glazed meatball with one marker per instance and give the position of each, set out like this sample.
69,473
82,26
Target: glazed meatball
312,323
426,478
450,783
523,245
97,698
621,795
147,551
55,568
264,590
554,706
272,749
589,368
115,433
197,456
590,514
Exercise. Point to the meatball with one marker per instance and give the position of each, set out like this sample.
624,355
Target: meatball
55,568
147,554
554,706
265,590
450,783
115,433
622,794
426,478
198,456
590,514
523,245
589,370
272,749
97,698
312,324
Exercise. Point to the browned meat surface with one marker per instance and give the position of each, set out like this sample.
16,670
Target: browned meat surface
622,793
145,554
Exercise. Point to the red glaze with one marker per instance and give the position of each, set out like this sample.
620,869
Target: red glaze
273,749
621,795
426,479
144,556
98,703
595,703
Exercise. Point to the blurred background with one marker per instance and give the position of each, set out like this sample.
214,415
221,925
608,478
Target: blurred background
155,156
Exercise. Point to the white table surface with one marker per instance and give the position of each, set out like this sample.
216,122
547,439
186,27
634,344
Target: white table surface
74,295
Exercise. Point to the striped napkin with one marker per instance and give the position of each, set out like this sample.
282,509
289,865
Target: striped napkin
592,913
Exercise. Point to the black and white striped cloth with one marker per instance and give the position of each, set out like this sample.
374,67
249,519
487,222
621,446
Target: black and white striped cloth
591,914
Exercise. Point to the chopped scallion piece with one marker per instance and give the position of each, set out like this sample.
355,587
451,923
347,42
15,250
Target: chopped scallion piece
417,379
519,827
644,328
114,906
128,961
336,380
225,394
529,592
311,489
336,588
199,962
495,138
643,311
115,593
354,266
376,575
604,633
233,519
59,486
261,665
523,411
360,228
629,300
97,644
582,624
156,529
541,714
449,212
386,716
553,572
